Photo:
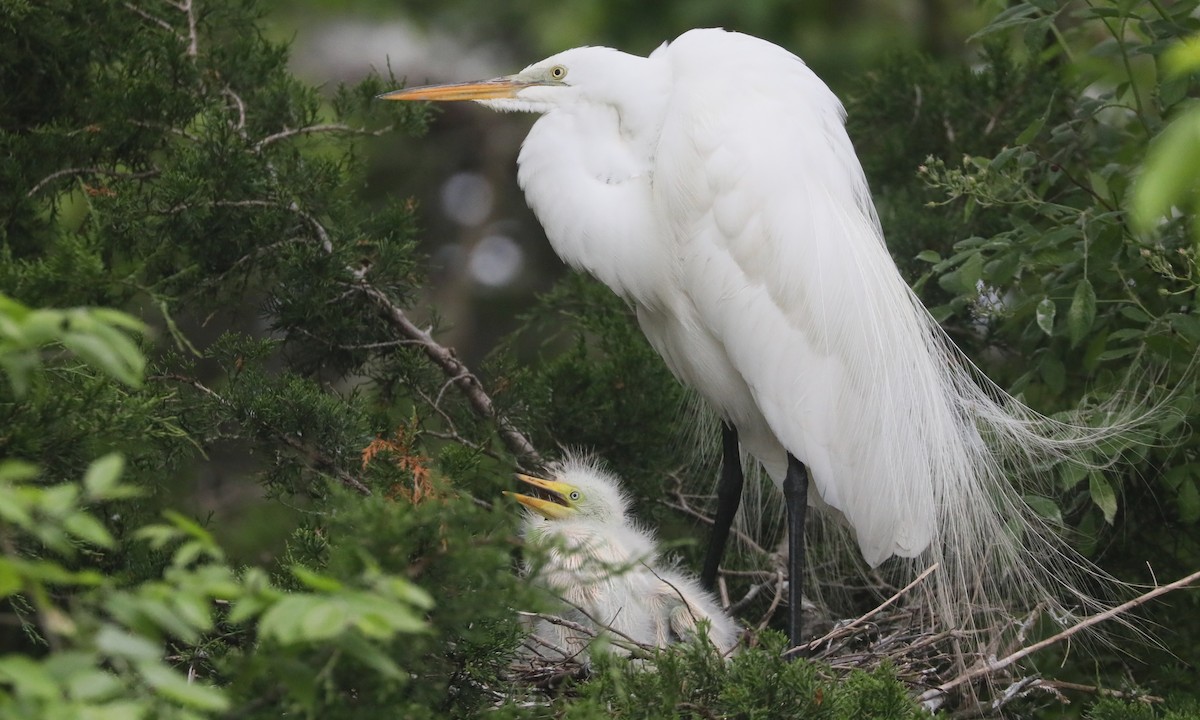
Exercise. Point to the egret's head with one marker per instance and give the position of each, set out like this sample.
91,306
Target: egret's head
579,490
570,78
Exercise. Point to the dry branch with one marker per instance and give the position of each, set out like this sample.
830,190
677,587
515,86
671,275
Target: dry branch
459,374
990,667
859,621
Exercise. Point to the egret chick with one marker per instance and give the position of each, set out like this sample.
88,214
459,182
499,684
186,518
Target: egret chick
679,606
608,569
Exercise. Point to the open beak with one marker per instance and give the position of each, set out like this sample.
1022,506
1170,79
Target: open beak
503,87
552,499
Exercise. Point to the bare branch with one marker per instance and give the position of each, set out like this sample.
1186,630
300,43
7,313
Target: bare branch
321,128
186,7
683,506
993,666
1102,692
318,228
241,106
454,433
838,631
88,171
762,625
156,20
454,368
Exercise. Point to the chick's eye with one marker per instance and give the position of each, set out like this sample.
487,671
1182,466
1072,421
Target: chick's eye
558,72
575,495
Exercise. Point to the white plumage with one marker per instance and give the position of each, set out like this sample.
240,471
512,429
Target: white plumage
713,185
607,569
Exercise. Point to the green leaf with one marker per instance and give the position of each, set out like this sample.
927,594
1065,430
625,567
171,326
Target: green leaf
403,589
116,710
1053,373
174,686
102,475
929,256
158,536
1045,507
1018,14
118,643
1178,475
1082,312
89,529
1102,494
325,618
1071,474
11,308
372,656
282,622
15,471
194,610
1183,58
1171,171
970,274
246,608
93,685
116,318
10,579
381,618
28,677
1029,133
315,581
51,572
102,356
147,615
59,500
189,526
1046,310
1188,326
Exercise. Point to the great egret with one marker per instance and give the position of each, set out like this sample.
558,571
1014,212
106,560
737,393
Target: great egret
608,568
713,185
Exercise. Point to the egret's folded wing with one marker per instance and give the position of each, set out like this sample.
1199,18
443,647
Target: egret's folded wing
783,260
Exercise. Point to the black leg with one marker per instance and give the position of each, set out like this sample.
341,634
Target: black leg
729,496
795,494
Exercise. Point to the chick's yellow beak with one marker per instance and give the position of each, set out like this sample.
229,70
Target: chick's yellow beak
553,501
504,87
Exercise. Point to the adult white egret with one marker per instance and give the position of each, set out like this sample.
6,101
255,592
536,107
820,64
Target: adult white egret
608,568
713,185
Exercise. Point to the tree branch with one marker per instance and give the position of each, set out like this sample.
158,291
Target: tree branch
990,667
454,368
88,171
838,631
322,128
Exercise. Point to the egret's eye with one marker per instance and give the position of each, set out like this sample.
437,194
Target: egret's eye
575,494
558,72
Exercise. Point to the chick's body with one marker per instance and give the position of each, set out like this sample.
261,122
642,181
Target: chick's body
608,571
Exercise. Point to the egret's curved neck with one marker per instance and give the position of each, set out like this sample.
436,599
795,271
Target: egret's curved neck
587,172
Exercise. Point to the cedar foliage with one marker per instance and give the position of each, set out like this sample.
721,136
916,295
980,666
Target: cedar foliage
159,158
